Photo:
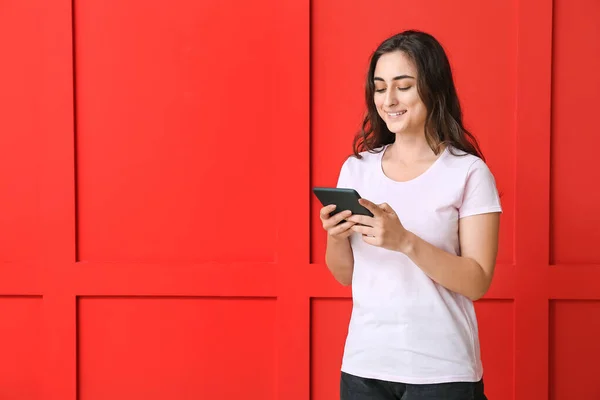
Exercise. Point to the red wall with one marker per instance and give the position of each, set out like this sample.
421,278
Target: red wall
158,238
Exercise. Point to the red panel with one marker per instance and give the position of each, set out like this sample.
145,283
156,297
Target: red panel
175,144
20,150
143,348
574,350
329,327
35,114
21,370
340,54
496,331
575,140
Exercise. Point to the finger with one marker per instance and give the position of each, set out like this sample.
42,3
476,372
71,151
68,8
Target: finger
325,211
362,219
374,208
337,218
340,229
364,230
386,207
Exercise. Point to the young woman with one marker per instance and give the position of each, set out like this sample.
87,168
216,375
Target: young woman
429,251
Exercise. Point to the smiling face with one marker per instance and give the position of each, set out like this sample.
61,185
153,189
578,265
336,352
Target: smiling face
396,96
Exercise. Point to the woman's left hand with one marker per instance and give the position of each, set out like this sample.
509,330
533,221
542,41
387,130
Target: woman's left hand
384,229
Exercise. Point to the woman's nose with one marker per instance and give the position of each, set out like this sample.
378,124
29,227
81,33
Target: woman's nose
390,99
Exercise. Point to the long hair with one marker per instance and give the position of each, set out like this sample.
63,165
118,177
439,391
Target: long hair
435,85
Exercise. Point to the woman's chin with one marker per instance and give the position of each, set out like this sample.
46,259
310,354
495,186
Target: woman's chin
396,128
402,129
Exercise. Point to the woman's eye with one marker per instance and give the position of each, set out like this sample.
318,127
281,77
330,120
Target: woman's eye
404,88
379,90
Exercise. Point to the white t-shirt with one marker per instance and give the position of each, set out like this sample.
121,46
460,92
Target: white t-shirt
404,326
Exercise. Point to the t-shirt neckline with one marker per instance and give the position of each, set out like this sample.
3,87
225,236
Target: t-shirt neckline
413,180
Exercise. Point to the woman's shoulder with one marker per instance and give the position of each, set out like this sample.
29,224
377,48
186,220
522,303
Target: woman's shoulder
457,158
468,169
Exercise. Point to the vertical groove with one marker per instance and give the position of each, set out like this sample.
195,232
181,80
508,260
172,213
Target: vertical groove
551,259
77,359
75,130
310,131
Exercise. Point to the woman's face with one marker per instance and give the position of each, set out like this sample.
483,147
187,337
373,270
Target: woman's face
396,96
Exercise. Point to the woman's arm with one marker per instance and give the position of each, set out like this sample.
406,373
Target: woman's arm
339,259
338,255
469,274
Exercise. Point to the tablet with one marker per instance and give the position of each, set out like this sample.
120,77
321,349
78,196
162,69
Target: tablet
344,199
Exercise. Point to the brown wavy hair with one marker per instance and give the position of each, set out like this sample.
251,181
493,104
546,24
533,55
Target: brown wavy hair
435,85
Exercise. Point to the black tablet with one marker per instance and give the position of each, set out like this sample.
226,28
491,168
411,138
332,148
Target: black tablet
344,199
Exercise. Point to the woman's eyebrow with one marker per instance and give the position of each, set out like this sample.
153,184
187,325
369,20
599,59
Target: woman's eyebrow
396,78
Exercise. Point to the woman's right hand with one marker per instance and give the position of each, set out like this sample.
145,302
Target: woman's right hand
330,224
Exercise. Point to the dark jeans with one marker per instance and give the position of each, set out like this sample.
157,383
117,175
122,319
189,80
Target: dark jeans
355,388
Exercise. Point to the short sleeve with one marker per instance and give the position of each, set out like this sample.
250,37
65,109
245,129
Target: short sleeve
344,178
480,193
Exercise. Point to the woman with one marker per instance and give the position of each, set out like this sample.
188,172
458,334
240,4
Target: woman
429,251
